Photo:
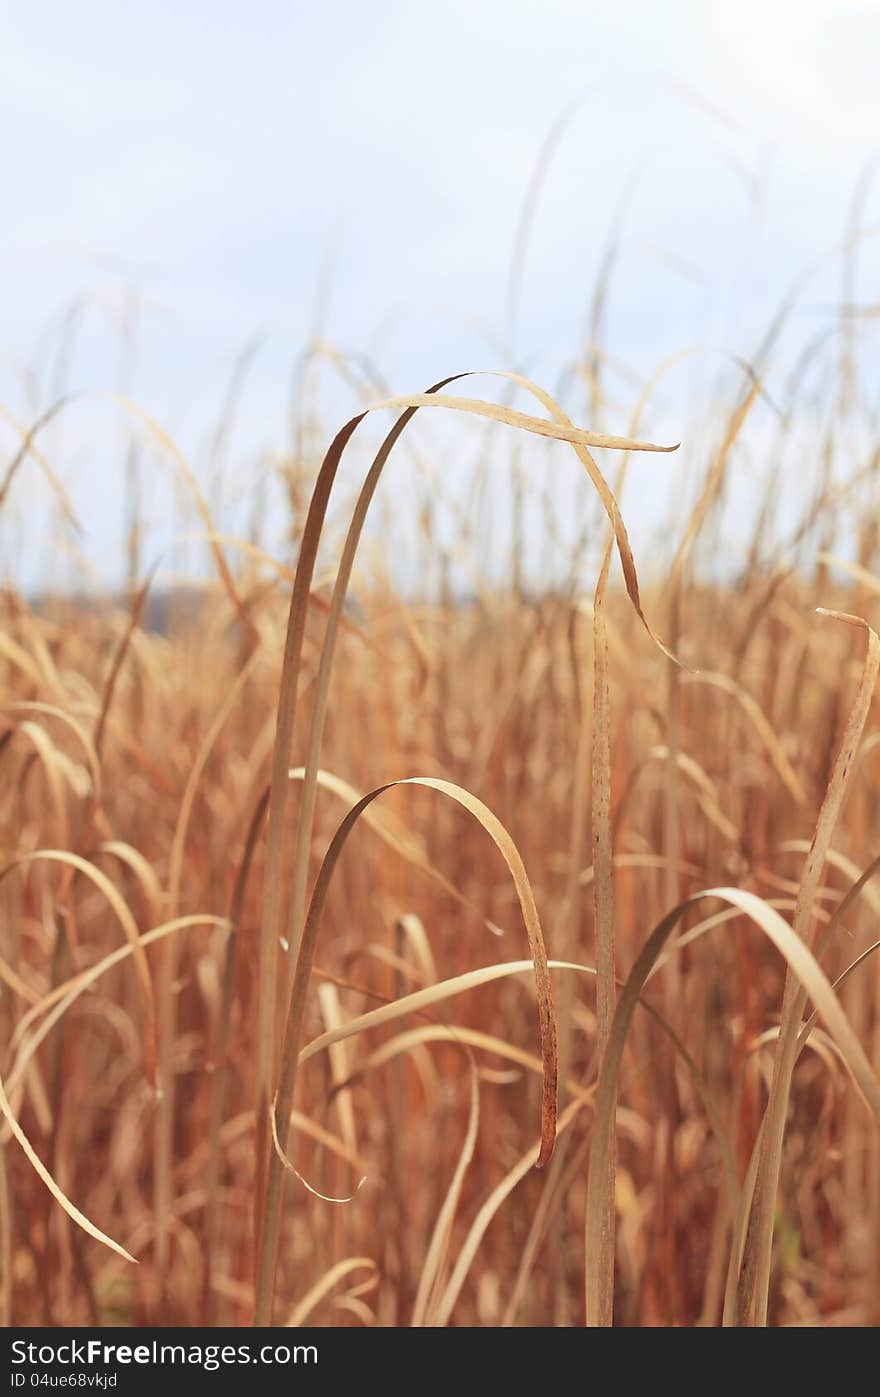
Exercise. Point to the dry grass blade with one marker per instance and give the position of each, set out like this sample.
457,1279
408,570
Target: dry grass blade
806,970
743,1212
462,616
60,1197
290,1051
56,1004
509,852
432,1270
5,1245
397,840
168,445
76,727
603,906
467,1037
289,685
421,1000
28,448
754,1283
783,767
561,429
126,921
558,431
713,483
321,1288
446,1303
292,1169
120,653
267,1229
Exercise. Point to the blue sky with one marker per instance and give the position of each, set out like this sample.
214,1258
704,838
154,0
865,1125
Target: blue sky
226,160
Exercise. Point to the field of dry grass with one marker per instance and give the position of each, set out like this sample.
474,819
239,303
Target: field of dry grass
295,1039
